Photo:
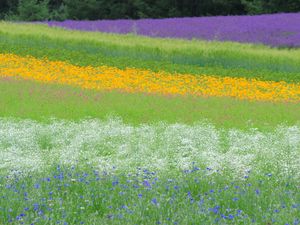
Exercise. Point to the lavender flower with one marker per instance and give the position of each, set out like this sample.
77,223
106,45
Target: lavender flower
274,30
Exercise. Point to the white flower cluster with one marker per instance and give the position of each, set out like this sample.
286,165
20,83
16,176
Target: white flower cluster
28,145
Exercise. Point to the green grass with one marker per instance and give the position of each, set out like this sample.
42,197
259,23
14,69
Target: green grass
28,99
182,56
114,198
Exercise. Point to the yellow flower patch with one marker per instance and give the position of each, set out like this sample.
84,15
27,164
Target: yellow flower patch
145,81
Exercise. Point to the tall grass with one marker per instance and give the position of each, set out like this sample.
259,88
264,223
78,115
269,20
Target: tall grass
196,57
107,172
27,99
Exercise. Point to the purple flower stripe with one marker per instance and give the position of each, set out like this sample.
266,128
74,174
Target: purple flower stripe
273,30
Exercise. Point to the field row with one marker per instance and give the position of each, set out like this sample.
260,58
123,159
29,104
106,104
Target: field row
113,173
136,80
174,56
25,146
277,30
40,101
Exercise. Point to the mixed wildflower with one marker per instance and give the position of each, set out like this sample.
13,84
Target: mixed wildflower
85,195
137,80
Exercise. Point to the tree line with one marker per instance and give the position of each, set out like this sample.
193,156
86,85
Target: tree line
34,10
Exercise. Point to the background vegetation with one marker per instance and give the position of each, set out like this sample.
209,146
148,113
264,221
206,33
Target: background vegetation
33,10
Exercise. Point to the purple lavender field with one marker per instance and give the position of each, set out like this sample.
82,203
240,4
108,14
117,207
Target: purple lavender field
277,30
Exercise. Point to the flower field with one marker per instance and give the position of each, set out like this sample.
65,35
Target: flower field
106,128
274,30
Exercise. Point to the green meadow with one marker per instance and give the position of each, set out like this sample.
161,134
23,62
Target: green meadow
171,55
39,102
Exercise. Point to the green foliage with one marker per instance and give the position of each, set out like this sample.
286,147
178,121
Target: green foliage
175,56
271,6
113,9
59,14
33,10
81,9
32,100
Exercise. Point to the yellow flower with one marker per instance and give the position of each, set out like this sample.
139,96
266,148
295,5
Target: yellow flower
145,81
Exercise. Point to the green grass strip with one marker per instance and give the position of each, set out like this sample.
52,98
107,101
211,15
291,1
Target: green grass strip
26,99
182,56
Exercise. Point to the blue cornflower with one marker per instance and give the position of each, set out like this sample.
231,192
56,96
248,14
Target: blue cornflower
223,216
37,186
140,195
238,212
35,206
230,216
195,169
215,209
176,187
116,182
257,191
26,209
146,184
154,201
186,171
235,199
276,211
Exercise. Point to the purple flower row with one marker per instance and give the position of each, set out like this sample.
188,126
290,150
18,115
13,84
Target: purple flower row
274,30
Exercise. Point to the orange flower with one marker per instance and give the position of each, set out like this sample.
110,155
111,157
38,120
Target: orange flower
146,81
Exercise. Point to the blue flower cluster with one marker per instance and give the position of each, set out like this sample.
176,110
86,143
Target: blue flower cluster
87,196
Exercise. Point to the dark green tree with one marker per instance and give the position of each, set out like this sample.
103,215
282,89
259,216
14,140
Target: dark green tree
33,10
271,6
